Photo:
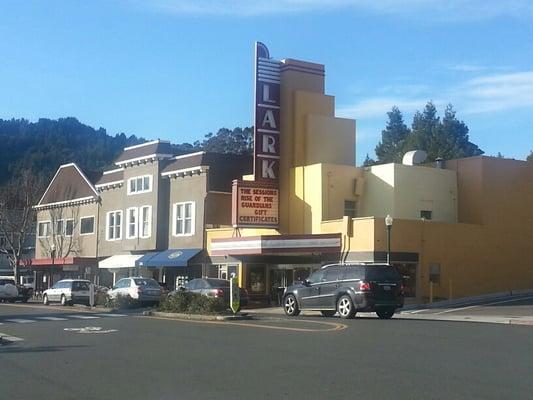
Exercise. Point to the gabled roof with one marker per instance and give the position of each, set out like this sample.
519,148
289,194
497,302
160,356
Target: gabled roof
110,178
154,149
69,185
223,168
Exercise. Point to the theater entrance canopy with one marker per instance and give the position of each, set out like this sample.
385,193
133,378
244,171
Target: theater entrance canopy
277,245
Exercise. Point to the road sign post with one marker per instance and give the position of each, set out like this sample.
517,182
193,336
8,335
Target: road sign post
91,294
234,298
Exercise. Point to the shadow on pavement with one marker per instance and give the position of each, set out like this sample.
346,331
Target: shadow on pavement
13,348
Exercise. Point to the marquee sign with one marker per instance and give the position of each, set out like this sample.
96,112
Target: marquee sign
255,204
267,118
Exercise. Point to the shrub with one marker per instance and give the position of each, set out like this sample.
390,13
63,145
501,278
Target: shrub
192,303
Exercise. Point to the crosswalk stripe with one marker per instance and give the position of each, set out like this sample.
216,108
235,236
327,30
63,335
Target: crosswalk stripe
52,318
83,316
111,315
20,320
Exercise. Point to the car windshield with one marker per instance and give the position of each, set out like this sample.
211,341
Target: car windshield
146,282
382,273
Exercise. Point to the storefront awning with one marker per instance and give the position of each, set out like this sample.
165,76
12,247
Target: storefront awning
52,262
277,244
167,258
120,261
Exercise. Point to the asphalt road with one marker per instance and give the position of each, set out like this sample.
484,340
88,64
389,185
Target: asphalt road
273,358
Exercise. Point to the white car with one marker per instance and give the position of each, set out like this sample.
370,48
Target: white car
144,290
8,291
68,291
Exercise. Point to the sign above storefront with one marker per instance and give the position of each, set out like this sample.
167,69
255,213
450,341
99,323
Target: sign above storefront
255,204
267,116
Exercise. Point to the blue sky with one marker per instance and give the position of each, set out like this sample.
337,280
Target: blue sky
178,69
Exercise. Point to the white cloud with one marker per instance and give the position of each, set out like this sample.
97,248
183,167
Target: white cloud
497,92
420,9
467,68
483,94
377,107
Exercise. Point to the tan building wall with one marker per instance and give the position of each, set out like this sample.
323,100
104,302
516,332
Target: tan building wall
67,246
188,189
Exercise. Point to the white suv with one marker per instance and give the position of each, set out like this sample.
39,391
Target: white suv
68,291
141,289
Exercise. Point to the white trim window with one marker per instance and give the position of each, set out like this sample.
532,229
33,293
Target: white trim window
65,227
140,184
87,225
183,219
145,222
132,222
43,229
114,225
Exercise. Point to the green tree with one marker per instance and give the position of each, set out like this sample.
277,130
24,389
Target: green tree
393,137
530,157
236,141
369,161
447,138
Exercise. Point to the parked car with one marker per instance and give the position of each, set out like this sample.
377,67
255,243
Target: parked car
68,292
8,290
143,290
214,288
347,289
23,293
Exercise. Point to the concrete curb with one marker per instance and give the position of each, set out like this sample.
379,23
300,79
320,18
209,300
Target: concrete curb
197,317
466,300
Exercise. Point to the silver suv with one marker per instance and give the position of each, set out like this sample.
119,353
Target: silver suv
68,291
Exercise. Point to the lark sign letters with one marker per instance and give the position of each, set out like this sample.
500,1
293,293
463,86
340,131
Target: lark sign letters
267,119
255,203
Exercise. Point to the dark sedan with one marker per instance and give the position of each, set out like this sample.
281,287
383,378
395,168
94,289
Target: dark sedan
214,288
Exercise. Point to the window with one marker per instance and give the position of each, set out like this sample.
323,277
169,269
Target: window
145,222
65,227
350,208
140,184
331,274
184,219
114,225
132,223
316,276
43,229
86,225
425,214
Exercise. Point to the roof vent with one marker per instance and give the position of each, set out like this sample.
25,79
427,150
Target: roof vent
414,157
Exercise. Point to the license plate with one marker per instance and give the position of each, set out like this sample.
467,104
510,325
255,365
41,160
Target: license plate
386,287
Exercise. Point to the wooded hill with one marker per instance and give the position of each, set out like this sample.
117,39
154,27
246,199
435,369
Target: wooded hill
43,146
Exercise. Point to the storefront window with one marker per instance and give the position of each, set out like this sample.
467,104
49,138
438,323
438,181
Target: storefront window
257,279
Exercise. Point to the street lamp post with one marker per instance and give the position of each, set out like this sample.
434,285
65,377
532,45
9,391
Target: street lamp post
53,255
388,222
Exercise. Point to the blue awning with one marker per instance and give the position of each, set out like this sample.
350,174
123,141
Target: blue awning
167,258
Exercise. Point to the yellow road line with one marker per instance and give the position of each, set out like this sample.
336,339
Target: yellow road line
335,326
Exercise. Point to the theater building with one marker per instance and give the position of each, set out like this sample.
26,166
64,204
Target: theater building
459,227
463,225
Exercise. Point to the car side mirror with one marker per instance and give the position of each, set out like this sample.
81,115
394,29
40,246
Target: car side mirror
306,282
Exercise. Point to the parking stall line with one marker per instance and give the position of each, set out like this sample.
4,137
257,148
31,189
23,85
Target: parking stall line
20,321
52,318
484,304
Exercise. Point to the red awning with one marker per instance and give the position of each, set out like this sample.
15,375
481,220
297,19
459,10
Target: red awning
48,262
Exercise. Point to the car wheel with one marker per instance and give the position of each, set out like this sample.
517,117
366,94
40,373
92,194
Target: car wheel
385,313
290,306
63,300
345,307
45,300
328,313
